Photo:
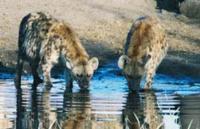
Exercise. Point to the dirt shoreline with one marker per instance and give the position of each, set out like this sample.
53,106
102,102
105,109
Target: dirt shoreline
171,65
102,27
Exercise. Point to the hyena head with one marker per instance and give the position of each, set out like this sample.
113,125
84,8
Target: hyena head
83,71
133,70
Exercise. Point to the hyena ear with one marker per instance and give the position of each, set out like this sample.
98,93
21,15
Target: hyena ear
123,60
144,60
68,65
94,62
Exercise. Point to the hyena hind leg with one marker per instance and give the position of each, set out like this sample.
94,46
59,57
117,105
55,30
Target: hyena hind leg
37,80
19,68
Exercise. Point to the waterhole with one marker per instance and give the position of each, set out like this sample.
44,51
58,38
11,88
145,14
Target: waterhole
172,104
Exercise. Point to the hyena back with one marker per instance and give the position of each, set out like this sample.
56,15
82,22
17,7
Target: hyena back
144,50
42,41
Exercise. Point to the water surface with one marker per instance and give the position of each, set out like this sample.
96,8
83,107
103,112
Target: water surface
173,104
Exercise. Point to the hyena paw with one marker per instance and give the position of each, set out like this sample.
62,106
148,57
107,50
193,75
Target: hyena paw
147,88
69,85
148,85
37,81
17,82
48,84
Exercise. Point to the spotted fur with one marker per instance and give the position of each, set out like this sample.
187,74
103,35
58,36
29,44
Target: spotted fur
43,40
145,48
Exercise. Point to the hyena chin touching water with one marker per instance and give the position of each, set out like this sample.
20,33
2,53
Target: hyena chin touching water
42,41
144,50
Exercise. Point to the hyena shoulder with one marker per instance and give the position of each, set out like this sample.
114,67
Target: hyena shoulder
36,21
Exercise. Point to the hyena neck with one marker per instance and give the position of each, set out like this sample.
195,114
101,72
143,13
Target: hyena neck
76,54
142,38
71,47
78,60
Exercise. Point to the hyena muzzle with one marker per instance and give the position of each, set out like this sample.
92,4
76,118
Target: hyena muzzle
44,40
144,50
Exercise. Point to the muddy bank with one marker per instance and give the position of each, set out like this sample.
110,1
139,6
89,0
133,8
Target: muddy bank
102,27
172,65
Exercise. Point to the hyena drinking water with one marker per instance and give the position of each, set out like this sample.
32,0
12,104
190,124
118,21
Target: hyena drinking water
42,41
145,48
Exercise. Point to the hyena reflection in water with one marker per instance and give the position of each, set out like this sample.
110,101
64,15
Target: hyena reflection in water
42,41
142,112
145,48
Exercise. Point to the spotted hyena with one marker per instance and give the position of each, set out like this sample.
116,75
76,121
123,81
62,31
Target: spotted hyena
44,40
145,48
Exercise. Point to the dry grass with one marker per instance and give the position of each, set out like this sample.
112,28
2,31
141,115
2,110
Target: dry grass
191,8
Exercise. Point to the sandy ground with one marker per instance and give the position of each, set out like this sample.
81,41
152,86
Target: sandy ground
102,26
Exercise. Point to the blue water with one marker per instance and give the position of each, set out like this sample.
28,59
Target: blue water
108,104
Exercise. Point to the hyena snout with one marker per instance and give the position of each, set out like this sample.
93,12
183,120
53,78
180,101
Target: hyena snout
83,72
84,84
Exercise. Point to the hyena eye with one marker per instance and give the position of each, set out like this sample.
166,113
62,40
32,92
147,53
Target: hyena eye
89,75
79,75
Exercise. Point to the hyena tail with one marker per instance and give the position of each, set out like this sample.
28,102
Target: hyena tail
22,30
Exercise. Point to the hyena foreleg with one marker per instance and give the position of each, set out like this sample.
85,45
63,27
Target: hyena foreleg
69,79
46,69
152,70
149,80
50,58
19,68
150,75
